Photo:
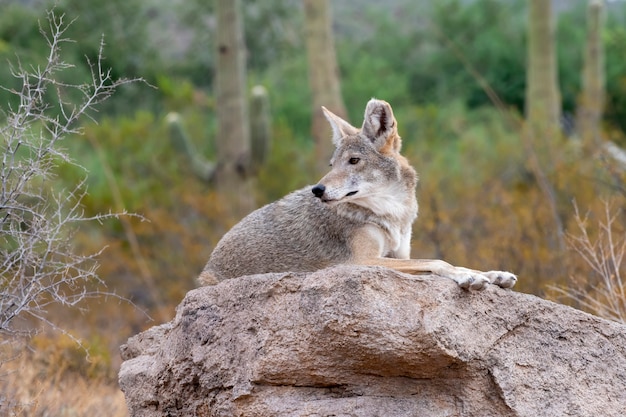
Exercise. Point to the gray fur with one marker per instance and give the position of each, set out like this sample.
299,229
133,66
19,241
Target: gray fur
361,212
298,233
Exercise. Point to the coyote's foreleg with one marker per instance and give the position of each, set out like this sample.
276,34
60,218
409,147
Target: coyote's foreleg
465,277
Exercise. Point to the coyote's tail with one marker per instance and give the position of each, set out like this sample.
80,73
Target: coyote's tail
207,278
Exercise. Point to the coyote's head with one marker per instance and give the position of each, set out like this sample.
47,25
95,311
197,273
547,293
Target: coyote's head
367,168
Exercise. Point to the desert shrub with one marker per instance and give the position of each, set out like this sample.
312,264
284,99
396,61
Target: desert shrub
597,280
40,266
43,268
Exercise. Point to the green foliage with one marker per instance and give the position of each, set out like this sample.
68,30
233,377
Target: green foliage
289,167
176,93
272,31
486,36
19,36
289,94
130,54
127,52
18,25
406,52
135,149
375,66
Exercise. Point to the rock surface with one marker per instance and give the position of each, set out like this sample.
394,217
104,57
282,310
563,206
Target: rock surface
356,341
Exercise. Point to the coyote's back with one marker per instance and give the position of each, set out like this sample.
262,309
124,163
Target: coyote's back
361,212
297,233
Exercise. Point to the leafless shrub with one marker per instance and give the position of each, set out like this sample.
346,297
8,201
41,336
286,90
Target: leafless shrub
603,290
39,266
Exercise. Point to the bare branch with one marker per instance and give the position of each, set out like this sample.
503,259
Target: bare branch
39,266
605,294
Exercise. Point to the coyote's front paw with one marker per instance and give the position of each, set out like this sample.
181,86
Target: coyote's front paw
501,278
470,280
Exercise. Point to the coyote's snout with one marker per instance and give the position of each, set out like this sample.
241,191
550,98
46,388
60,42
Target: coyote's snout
361,212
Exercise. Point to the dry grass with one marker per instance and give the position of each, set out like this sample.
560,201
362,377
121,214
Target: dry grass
35,385
601,287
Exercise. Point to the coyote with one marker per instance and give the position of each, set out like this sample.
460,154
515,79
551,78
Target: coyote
359,213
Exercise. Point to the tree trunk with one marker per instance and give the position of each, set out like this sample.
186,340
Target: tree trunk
592,98
323,77
233,132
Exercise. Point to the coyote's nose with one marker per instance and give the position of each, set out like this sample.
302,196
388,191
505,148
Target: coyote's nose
318,190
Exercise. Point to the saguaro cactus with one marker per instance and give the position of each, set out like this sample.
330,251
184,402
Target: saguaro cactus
260,138
591,103
233,131
202,167
231,174
543,97
543,105
323,75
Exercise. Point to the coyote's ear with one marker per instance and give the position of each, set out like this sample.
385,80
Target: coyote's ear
340,127
380,126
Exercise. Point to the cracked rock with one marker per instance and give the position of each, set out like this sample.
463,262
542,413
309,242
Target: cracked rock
368,341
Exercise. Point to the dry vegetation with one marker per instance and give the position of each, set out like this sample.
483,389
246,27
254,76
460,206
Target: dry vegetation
56,379
600,286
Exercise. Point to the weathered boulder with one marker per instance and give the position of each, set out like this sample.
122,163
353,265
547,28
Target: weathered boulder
357,341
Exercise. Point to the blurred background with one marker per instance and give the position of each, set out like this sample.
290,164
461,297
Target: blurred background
511,111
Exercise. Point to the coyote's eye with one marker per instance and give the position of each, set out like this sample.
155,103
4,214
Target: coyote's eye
353,161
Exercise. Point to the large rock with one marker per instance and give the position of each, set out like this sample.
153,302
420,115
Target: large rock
356,341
